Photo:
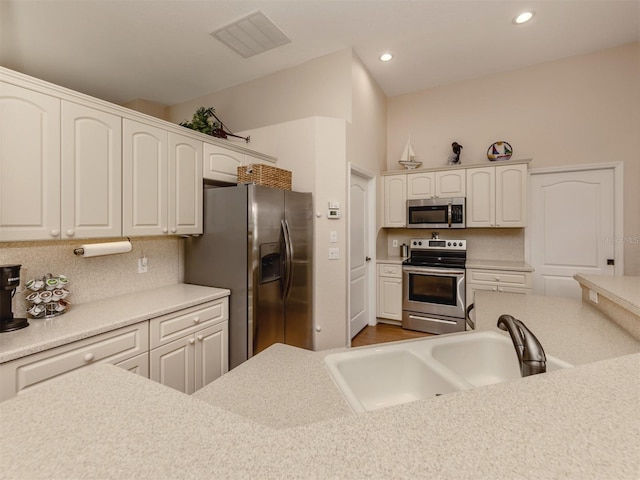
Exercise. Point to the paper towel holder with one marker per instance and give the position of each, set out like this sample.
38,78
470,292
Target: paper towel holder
80,250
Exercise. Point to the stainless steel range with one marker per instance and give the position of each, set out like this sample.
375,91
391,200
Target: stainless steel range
433,286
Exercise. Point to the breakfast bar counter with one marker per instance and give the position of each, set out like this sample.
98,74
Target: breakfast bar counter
577,423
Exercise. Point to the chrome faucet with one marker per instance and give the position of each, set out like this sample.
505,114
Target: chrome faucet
529,350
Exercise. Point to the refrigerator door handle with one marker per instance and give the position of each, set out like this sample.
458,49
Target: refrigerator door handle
288,258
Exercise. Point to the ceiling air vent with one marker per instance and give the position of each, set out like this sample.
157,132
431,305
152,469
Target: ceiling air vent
251,35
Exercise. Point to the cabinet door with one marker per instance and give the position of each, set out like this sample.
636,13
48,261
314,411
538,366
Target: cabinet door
185,185
221,164
421,185
212,355
91,173
144,179
390,298
138,365
395,201
481,209
511,196
173,364
29,165
451,183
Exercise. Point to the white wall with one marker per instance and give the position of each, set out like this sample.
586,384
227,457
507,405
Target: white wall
320,87
581,110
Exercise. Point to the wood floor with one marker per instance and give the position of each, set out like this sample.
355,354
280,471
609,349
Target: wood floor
382,333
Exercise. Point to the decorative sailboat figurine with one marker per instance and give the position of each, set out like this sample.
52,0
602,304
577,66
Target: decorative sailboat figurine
408,156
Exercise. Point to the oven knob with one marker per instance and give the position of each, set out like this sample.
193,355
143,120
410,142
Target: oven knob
460,243
420,243
449,244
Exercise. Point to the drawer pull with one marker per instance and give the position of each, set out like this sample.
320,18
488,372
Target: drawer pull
88,357
196,320
495,289
497,279
192,341
500,290
200,337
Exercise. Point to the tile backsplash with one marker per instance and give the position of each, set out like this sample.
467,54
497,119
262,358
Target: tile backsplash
482,243
93,278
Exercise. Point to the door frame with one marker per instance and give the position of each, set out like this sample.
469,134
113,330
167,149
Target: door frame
371,237
618,206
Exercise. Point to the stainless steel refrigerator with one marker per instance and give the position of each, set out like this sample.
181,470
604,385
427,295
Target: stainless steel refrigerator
257,242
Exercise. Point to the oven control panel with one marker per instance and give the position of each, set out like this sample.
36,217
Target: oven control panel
439,244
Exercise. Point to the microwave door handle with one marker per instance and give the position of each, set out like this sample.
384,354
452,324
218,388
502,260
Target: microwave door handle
449,214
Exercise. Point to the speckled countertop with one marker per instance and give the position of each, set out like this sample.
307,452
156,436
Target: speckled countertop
395,259
279,416
93,318
621,290
499,265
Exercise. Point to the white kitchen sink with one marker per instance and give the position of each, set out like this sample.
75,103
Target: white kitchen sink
380,376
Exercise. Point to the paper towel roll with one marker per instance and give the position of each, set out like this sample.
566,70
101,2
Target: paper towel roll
96,249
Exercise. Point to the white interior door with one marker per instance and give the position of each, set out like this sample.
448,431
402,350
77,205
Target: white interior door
358,254
571,229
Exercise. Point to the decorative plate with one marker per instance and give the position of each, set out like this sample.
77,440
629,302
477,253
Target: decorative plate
499,151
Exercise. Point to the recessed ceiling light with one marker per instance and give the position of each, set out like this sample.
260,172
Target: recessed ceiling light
385,57
524,17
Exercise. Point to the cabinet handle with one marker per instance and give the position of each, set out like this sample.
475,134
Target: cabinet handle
196,320
192,341
500,290
88,357
174,230
497,279
54,233
164,230
495,289
200,337
70,233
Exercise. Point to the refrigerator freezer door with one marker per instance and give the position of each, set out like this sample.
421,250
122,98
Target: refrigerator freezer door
299,301
265,304
218,258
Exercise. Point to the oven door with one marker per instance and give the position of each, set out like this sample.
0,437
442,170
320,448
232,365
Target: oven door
435,291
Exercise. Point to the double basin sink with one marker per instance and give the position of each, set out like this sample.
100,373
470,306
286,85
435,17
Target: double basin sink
380,376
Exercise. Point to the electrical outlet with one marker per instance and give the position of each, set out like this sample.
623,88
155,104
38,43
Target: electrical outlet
334,253
143,265
593,296
395,243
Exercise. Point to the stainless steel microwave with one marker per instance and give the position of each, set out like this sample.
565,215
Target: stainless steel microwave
436,213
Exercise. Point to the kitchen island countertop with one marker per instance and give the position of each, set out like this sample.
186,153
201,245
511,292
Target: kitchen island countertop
578,423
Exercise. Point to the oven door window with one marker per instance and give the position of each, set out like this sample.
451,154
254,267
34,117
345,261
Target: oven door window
428,215
436,289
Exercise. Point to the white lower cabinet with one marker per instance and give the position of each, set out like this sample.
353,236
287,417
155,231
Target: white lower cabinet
501,281
389,304
190,349
126,347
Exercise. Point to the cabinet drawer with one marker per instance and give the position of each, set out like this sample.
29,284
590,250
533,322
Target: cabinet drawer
390,270
167,328
498,277
111,347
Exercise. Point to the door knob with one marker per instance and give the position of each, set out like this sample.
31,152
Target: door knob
367,259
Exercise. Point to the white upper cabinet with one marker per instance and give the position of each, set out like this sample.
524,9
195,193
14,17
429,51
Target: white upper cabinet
144,179
421,185
395,200
185,185
162,181
511,195
451,183
497,196
29,164
91,172
221,164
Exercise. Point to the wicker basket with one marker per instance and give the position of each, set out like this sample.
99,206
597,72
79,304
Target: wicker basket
265,175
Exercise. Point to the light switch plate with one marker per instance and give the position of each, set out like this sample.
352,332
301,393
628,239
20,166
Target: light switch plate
593,296
333,236
334,253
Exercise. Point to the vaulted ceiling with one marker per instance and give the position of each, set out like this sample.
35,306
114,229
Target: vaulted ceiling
162,51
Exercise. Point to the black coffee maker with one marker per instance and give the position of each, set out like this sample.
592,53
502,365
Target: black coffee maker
9,281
